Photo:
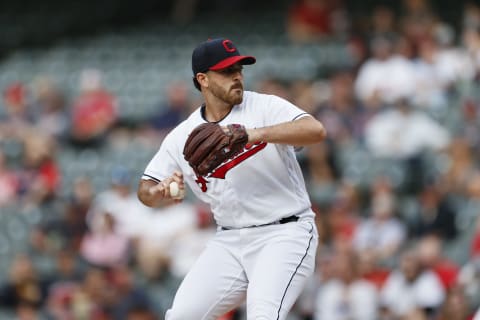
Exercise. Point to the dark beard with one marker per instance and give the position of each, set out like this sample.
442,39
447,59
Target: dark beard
226,96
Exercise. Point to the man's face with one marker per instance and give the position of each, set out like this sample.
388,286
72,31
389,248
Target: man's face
227,84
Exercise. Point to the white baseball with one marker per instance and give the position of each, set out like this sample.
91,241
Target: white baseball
174,189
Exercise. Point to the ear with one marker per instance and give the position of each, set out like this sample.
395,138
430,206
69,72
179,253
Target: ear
202,79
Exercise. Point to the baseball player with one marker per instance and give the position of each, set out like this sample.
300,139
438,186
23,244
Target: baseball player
264,248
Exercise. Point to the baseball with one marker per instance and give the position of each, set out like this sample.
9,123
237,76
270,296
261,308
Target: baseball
174,190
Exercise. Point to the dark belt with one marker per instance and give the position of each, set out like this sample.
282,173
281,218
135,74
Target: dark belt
281,221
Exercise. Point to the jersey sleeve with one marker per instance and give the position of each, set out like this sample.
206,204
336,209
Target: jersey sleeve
163,163
279,110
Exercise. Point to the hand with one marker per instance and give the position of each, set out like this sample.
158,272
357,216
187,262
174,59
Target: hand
162,189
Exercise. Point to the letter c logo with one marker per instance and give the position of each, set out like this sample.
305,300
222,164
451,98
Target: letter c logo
228,45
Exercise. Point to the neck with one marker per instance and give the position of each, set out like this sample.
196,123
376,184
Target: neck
216,110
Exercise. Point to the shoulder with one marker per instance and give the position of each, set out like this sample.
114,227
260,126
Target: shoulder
263,99
250,97
257,96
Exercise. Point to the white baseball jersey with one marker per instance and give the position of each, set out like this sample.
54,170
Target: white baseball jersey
260,185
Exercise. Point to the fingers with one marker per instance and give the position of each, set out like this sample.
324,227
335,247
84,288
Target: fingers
162,189
178,177
158,189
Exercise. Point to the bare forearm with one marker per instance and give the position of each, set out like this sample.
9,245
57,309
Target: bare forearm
147,198
301,132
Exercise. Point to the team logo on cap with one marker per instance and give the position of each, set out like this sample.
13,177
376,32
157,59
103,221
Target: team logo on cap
228,45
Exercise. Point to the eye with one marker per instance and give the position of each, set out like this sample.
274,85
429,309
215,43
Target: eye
231,70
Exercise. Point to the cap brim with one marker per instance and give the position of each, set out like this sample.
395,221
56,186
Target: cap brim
232,60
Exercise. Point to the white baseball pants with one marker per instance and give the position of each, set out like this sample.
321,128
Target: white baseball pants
268,266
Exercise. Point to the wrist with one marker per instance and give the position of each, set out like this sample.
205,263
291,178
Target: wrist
255,135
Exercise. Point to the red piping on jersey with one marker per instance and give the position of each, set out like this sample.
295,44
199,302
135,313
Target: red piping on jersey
222,170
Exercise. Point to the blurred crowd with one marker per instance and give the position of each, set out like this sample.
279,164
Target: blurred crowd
396,186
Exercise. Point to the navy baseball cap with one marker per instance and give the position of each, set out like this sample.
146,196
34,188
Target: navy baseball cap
217,54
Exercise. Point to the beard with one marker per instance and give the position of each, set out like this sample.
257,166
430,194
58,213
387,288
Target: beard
232,96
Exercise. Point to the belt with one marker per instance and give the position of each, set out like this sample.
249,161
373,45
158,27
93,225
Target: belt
281,221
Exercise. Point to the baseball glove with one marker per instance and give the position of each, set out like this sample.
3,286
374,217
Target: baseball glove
208,145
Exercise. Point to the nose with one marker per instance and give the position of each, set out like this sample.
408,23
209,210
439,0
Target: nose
238,75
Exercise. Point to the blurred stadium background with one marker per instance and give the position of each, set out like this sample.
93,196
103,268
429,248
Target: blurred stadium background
90,88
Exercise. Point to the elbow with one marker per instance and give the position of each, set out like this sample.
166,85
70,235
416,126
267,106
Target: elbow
142,195
320,133
142,199
323,133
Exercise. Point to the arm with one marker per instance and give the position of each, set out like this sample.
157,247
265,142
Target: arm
157,194
304,131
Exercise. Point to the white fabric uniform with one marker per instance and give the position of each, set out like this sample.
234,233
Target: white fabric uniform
263,184
477,315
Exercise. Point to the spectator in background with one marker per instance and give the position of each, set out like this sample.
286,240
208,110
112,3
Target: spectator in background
9,183
67,230
310,20
127,295
93,296
343,216
275,86
342,114
168,231
49,104
187,245
173,111
382,23
303,93
321,173
455,307
469,282
475,246
41,176
141,313
468,217
411,289
63,282
429,88
102,246
346,296
403,132
16,116
24,286
66,270
385,77
371,270
467,124
121,203
435,214
461,168
76,211
470,15
94,111
380,233
471,41
431,257
417,20
26,311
